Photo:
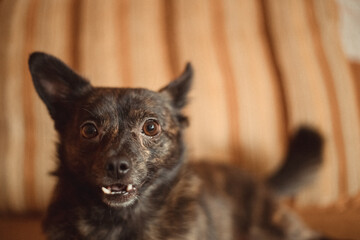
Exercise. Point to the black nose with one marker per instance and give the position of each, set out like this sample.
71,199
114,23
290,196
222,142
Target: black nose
118,167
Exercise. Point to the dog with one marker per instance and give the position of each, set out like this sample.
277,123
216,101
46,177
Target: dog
123,172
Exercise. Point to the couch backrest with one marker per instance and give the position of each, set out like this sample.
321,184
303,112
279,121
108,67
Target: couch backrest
262,68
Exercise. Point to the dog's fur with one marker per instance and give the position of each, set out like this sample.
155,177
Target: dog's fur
110,138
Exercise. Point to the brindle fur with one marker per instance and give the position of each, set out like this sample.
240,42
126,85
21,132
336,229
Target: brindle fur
176,199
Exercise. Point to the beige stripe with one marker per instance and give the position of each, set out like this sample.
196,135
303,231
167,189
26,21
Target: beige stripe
75,9
149,59
278,75
333,101
222,51
6,11
15,111
169,23
123,35
99,60
30,140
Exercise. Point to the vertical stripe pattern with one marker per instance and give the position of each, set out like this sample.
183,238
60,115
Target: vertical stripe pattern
262,68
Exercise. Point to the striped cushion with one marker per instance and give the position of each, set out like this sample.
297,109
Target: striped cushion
262,69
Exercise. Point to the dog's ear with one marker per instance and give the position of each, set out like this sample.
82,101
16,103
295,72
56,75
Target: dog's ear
56,84
179,88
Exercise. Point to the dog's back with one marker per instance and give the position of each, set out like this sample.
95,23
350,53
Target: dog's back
235,204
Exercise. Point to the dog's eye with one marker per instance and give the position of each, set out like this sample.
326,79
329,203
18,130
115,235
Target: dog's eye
89,130
151,128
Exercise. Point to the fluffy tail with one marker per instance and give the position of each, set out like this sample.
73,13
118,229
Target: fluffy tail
302,161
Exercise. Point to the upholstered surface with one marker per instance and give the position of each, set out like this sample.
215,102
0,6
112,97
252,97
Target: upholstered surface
262,69
335,222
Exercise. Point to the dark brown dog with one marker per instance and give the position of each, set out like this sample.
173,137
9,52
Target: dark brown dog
122,170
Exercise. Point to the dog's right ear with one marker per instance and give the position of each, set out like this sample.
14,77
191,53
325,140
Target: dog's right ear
56,84
179,88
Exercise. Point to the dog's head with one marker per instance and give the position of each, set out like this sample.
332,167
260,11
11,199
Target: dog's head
115,140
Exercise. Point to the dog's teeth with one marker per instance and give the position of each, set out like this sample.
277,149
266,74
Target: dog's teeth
105,190
129,187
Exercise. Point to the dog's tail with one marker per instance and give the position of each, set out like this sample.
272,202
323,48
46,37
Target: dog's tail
302,161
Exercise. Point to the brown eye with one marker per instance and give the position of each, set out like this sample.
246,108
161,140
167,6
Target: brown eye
151,128
89,130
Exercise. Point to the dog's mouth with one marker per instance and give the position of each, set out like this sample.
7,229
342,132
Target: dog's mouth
119,195
119,189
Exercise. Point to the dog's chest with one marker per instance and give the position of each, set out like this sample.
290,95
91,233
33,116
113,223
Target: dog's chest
136,223
160,223
139,230
110,229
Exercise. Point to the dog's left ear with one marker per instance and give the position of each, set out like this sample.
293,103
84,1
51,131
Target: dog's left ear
180,87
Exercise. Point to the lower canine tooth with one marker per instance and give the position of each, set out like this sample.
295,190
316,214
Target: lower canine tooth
105,190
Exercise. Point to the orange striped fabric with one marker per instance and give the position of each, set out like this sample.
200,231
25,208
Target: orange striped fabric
262,68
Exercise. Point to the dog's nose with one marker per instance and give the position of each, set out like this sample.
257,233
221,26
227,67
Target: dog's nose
118,167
